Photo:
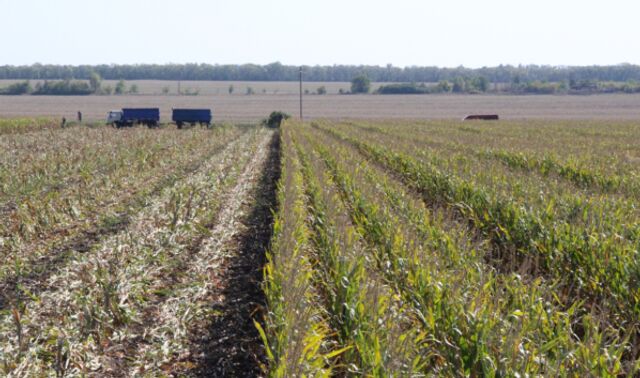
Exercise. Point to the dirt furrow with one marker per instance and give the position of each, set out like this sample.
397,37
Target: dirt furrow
224,342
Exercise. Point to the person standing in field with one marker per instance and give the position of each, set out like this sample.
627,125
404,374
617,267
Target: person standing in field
64,122
79,116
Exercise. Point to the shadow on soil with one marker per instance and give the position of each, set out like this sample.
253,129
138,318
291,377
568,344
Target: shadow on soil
232,346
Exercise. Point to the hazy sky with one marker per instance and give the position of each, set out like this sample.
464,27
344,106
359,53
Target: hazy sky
401,32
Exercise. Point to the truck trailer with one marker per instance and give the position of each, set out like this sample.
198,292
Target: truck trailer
192,117
128,117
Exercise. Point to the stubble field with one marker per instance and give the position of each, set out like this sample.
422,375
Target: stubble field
132,252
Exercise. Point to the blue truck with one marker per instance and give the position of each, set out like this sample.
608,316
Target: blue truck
128,117
191,117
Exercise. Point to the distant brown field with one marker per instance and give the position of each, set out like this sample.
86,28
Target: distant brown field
240,107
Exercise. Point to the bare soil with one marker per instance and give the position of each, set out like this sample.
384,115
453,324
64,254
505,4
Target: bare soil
239,107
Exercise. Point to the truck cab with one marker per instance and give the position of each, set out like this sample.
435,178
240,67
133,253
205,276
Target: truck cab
114,117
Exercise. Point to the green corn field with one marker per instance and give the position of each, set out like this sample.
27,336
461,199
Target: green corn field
442,248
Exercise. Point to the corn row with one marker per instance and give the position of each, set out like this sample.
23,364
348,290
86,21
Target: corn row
546,165
456,195
296,335
364,310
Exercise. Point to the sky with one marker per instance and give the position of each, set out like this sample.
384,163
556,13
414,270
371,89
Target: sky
400,32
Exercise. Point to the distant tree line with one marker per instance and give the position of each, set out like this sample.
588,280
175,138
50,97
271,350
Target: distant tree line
360,82
478,84
63,87
481,84
57,87
279,72
17,89
68,87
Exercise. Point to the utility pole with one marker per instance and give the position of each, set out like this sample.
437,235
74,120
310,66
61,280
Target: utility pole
301,93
